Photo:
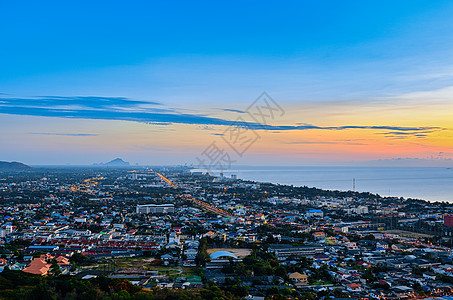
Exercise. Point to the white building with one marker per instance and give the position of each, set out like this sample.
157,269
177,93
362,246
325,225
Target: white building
155,209
360,210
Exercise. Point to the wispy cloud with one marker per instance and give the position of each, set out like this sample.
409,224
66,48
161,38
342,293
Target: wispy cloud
64,134
396,128
159,123
95,102
326,143
103,108
125,109
400,135
234,110
441,96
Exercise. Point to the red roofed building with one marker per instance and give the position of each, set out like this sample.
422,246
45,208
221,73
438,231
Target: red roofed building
448,220
63,261
38,266
353,287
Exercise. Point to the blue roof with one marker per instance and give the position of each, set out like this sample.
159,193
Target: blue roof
315,210
41,247
218,254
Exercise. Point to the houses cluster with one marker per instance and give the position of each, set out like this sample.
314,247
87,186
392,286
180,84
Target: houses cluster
358,245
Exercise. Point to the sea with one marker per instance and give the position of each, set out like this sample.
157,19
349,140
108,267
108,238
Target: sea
427,183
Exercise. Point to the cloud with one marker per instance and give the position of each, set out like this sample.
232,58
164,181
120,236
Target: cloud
159,123
64,134
345,142
206,127
234,110
83,101
441,96
400,135
125,109
102,108
399,128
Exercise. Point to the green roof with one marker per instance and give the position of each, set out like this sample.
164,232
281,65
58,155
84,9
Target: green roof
193,278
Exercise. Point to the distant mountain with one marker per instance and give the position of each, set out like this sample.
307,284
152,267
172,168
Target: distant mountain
13,166
117,162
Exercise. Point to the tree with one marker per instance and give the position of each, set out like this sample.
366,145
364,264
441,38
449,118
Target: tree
418,287
202,255
121,295
281,271
41,292
239,290
56,271
78,258
369,275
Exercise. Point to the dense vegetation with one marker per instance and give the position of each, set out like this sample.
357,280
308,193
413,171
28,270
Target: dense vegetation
23,286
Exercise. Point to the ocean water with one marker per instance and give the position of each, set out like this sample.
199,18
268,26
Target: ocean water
428,183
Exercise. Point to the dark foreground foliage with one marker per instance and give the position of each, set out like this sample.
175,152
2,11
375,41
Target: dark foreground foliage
23,286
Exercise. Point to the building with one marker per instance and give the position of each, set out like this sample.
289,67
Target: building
299,278
343,229
353,287
448,220
6,229
155,209
38,266
319,235
360,210
315,213
47,248
283,251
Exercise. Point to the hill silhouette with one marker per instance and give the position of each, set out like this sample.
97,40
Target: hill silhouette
117,162
13,166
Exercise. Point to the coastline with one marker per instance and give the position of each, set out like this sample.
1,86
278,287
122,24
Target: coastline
425,183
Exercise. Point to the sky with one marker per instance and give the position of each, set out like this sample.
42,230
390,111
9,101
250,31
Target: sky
178,82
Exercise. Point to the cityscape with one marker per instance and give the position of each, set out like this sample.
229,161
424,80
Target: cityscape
226,150
155,232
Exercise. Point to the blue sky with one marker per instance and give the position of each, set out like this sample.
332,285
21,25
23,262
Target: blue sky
196,61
